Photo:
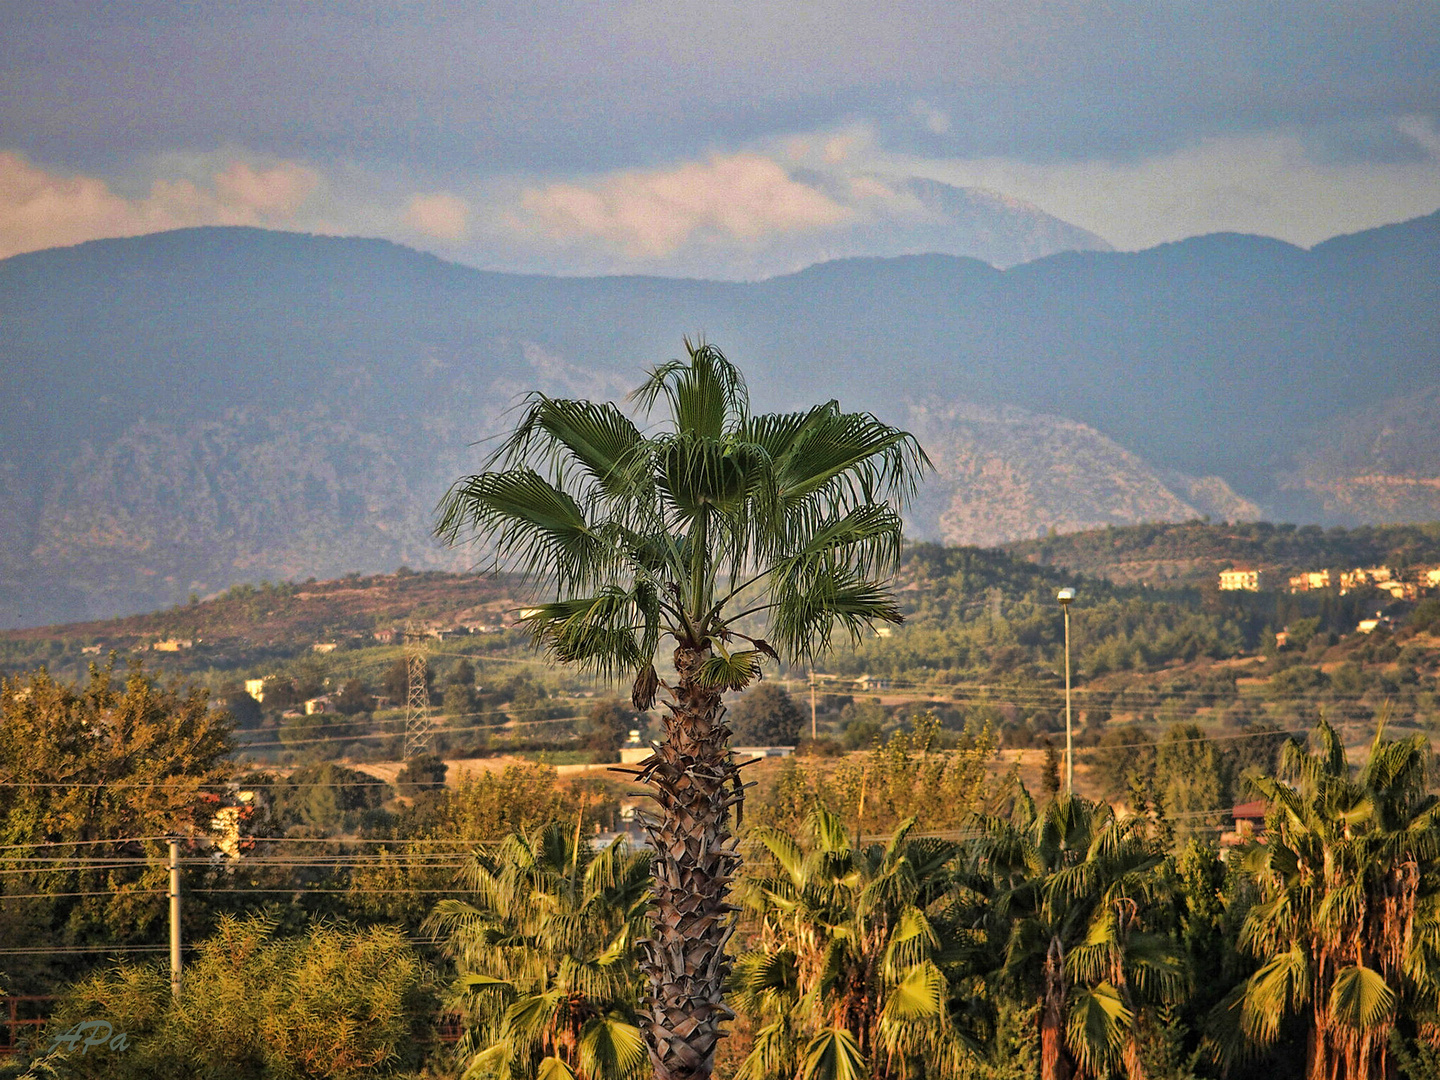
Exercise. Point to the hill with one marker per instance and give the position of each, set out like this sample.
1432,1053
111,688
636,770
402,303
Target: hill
197,408
249,624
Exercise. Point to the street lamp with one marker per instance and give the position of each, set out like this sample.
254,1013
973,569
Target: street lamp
1065,596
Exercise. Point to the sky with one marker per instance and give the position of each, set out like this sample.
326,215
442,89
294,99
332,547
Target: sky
724,140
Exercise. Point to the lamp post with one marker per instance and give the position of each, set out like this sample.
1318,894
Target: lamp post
1065,596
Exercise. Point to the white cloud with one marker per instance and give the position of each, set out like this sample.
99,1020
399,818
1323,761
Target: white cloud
441,216
41,209
1267,184
742,197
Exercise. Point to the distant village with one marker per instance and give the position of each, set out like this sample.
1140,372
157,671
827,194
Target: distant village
1410,584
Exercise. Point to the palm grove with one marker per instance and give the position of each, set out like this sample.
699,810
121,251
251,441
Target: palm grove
983,935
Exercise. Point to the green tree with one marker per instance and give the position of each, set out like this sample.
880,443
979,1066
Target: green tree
766,716
607,725
424,773
853,976
462,674
109,769
1073,887
716,517
353,698
544,947
1347,924
334,1003
1188,782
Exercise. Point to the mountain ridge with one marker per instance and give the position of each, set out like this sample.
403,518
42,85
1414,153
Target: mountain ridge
331,369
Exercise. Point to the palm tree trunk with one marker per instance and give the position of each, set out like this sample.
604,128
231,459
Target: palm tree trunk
1054,1062
694,861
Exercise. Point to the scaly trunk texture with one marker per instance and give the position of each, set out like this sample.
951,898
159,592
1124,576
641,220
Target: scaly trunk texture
1054,1061
695,858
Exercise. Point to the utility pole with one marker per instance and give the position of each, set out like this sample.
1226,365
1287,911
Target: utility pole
1065,596
175,918
812,705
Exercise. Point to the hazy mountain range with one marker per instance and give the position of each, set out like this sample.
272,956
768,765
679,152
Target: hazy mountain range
190,409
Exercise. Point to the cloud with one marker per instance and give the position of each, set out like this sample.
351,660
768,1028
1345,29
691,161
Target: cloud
1272,184
42,209
743,197
441,216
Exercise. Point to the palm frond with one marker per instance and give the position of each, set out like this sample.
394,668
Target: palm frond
833,1055
920,995
1360,998
1098,1026
611,1049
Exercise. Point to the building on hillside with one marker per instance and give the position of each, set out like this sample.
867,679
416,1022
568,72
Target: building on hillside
1379,622
1309,580
1239,579
1361,577
385,635
1432,578
172,645
1249,825
321,704
1400,590
325,646
255,688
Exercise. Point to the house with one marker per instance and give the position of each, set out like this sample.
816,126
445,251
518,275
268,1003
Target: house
386,635
325,646
1310,579
172,645
1400,590
321,704
255,688
90,650
1239,579
1362,577
1249,824
1432,578
1379,622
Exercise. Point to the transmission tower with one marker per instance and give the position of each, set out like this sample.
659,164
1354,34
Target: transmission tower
417,705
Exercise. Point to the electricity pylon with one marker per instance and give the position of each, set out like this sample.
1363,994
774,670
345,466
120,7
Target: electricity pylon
418,721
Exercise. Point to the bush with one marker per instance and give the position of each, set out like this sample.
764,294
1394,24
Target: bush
338,1002
425,773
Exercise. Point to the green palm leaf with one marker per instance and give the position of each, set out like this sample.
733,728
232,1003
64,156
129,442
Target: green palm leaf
1360,998
833,1055
920,995
552,1068
1098,1026
611,1049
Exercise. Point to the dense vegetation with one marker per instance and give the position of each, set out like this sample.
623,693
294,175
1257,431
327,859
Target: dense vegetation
908,911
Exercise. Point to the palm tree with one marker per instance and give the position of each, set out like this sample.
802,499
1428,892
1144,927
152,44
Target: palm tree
713,521
1347,925
857,945
547,976
1073,885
